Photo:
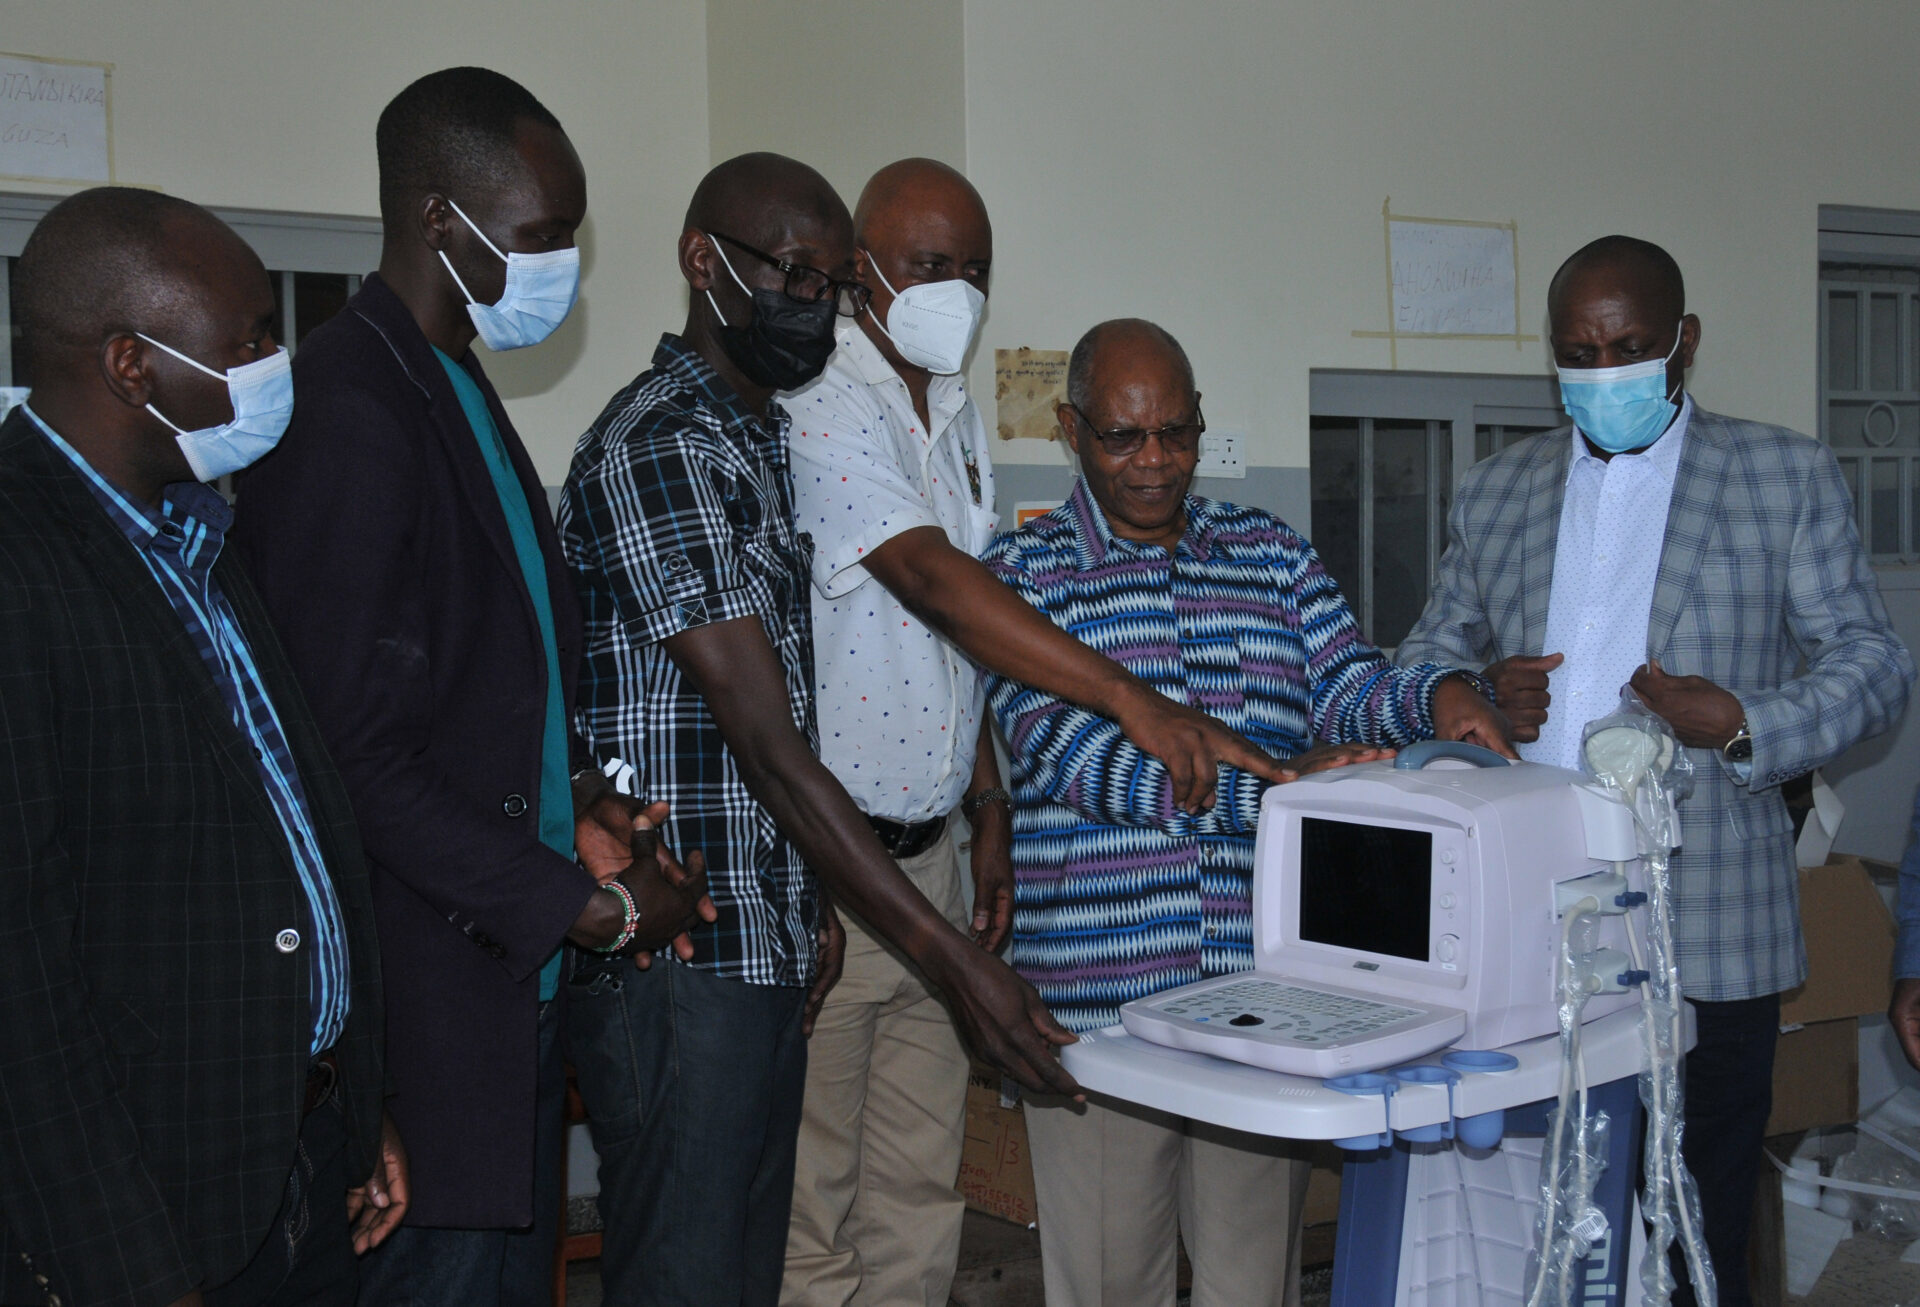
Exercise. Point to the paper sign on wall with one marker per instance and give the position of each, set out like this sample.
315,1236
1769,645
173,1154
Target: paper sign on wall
1450,279
56,120
1028,384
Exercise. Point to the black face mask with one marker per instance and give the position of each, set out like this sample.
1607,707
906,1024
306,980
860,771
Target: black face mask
785,344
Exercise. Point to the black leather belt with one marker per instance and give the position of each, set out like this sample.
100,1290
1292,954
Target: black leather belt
322,1076
906,839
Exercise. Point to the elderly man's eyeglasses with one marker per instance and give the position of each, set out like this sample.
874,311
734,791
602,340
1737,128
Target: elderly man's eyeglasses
1180,438
810,285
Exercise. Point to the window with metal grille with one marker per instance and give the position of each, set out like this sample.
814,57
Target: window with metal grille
1870,370
1387,450
315,262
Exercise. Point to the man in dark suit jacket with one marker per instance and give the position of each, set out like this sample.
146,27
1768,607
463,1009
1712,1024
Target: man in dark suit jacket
189,992
403,544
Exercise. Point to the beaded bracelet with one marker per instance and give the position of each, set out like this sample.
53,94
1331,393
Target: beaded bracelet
632,922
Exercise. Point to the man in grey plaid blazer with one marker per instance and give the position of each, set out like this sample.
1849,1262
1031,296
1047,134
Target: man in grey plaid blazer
1766,647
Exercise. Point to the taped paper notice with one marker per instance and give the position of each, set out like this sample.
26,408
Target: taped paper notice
1450,279
1028,384
56,124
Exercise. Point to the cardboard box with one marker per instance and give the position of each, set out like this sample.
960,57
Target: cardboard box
1816,1077
996,1173
1850,936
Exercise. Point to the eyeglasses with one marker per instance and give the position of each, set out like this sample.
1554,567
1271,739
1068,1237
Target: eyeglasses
810,285
1179,438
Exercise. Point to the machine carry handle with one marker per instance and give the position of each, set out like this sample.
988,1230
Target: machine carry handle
1416,756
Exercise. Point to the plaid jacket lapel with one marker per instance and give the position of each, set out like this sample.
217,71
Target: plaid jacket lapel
113,557
1546,490
1697,496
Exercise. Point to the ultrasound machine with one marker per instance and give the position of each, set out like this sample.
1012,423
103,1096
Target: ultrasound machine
1407,918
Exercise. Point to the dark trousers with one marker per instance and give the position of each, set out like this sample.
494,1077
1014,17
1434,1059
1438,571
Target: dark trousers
307,1259
693,1084
1728,1082
423,1266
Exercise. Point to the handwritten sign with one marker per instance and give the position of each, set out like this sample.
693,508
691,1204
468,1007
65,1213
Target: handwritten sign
1028,384
1450,279
1453,279
55,120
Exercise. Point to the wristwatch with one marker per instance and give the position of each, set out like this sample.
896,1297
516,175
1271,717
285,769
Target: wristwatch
1481,685
1740,747
971,806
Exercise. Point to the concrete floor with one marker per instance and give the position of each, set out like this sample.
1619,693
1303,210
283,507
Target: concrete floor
999,1267
1865,1272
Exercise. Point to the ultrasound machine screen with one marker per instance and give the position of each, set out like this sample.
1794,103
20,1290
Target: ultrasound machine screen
1365,887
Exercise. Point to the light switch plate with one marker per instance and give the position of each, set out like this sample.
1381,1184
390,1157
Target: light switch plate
1222,454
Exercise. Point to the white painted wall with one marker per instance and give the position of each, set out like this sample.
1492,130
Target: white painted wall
272,106
1220,167
847,87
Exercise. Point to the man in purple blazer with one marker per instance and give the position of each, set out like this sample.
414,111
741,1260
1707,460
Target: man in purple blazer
404,547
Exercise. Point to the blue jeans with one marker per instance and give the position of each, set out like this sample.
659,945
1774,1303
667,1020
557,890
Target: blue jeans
693,1084
421,1266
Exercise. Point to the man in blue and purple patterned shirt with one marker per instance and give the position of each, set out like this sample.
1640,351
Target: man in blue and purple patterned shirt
1119,893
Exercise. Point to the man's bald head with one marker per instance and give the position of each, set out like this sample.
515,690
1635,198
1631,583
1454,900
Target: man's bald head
1116,349
904,190
1621,263
763,198
115,260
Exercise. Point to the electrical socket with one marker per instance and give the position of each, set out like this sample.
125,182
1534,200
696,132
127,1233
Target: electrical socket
1222,454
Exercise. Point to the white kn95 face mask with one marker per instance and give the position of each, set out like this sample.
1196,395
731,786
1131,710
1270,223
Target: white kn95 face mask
931,323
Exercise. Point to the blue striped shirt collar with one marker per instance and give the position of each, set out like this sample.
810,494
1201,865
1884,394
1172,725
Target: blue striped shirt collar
192,519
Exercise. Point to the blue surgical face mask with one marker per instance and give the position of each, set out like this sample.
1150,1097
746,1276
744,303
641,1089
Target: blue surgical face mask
1621,409
261,393
540,292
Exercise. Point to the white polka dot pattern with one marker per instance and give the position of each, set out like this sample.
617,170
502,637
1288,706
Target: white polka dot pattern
1612,526
899,707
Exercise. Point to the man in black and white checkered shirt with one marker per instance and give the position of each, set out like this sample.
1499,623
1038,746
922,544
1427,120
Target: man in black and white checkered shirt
677,522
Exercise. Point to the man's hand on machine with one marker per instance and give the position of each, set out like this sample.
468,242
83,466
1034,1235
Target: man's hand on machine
1323,757
1520,688
1702,714
1001,1016
1904,1014
1461,712
1192,745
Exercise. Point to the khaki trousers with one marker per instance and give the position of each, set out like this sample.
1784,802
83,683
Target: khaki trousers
1116,1183
876,1216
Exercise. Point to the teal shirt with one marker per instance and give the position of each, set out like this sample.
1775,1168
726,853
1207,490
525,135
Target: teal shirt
556,792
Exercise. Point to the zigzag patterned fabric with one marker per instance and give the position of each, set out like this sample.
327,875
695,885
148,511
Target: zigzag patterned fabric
1118,894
